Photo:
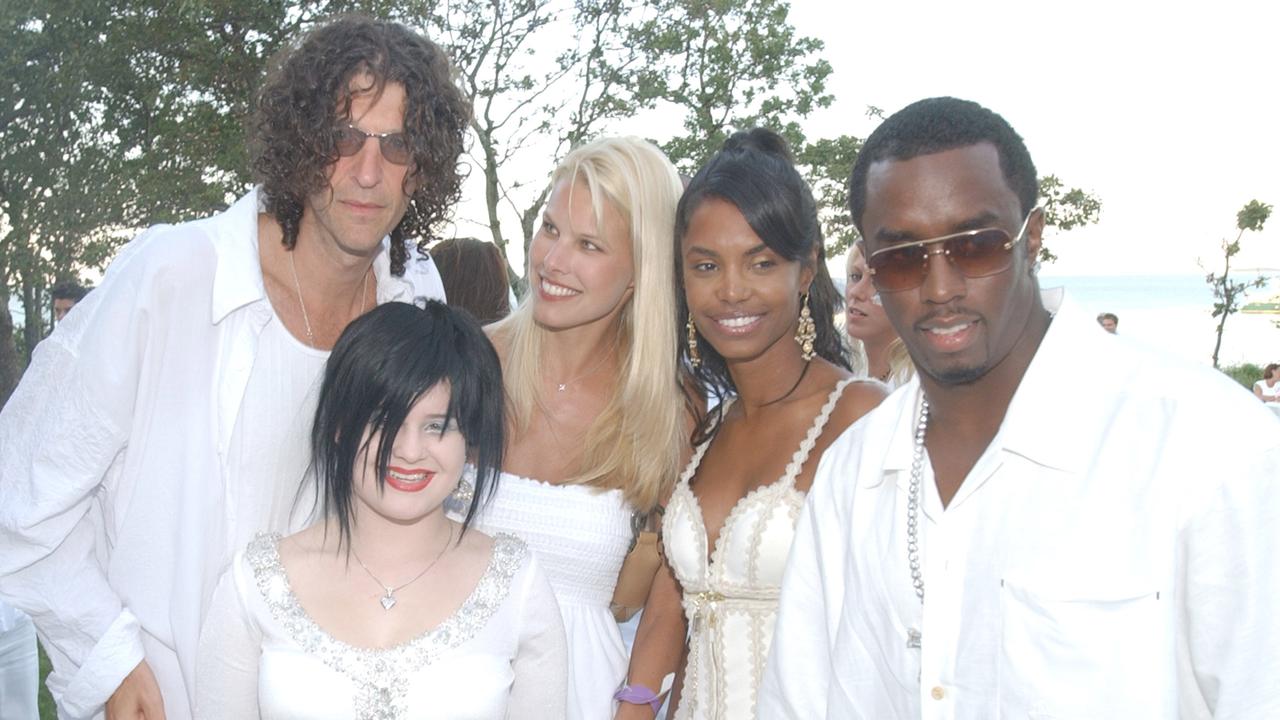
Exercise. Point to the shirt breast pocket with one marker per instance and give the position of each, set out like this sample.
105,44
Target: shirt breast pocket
1084,650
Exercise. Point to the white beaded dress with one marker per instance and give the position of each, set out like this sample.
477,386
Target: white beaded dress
500,655
731,601
581,536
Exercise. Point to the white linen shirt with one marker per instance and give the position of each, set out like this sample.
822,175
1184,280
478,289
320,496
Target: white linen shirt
115,482
1112,554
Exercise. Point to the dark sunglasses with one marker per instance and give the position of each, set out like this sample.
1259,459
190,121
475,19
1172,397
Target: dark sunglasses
975,253
395,146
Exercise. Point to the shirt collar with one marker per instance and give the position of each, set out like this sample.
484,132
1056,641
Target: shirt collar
1061,396
1066,393
237,279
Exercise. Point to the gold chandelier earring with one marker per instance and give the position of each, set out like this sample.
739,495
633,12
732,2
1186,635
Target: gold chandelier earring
694,358
806,331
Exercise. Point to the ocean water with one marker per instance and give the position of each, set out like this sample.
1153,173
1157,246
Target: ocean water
1174,313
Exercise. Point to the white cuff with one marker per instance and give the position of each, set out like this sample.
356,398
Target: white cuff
115,655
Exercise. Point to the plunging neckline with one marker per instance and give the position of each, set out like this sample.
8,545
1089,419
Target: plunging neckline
713,555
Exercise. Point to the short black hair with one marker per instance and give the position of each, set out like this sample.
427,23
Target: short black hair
754,172
68,291
938,124
383,362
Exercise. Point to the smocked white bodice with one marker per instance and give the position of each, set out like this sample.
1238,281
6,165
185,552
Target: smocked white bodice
580,536
731,601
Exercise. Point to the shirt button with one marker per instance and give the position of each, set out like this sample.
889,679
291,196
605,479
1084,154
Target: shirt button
938,693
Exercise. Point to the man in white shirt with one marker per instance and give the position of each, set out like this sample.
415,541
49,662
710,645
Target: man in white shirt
1048,522
167,420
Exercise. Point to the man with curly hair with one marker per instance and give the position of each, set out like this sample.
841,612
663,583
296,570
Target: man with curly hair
166,421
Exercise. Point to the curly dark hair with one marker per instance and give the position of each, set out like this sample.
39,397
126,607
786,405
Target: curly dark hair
936,125
754,171
306,96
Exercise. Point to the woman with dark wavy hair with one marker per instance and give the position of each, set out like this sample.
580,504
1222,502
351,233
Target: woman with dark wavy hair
757,306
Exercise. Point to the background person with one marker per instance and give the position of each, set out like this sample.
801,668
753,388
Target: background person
65,296
1109,322
1268,388
430,620
875,349
164,422
475,277
597,422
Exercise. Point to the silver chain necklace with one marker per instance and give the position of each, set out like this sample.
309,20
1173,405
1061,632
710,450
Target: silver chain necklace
913,501
388,600
311,338
913,514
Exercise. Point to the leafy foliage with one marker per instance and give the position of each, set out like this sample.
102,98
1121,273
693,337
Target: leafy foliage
1227,293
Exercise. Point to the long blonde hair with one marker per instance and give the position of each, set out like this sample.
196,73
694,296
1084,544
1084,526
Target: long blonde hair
900,368
635,443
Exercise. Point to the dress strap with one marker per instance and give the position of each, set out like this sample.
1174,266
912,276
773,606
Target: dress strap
811,438
696,460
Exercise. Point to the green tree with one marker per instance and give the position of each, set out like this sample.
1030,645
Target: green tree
728,65
528,100
1227,293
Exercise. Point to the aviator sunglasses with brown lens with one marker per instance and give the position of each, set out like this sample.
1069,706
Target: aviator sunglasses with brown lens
975,253
395,146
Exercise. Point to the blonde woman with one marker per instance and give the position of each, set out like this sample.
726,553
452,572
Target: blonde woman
874,345
597,420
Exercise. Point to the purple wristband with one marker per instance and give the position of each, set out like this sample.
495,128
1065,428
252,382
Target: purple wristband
639,695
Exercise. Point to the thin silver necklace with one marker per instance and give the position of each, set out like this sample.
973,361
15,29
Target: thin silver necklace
306,320
913,513
388,600
561,387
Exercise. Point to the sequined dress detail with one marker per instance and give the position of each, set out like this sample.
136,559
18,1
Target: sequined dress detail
731,601
465,667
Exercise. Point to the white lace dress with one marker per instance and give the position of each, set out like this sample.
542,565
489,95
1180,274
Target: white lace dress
731,602
581,536
500,655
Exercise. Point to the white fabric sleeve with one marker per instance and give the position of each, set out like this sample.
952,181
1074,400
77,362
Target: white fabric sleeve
60,433
230,650
541,667
798,671
1230,627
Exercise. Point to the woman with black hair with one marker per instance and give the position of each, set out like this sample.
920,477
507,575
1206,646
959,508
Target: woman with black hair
757,306
387,608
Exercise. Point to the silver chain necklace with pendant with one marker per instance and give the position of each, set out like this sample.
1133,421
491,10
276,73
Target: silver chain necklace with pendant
913,514
388,600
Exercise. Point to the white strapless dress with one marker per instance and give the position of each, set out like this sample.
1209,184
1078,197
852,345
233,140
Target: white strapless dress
580,536
731,601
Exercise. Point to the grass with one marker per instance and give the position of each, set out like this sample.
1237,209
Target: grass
47,709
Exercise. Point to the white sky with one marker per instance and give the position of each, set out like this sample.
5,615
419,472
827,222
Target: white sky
1168,111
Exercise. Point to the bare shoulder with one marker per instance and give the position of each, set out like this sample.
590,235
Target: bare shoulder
498,333
303,548
860,397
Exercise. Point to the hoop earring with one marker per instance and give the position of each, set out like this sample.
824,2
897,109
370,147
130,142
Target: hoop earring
692,333
806,330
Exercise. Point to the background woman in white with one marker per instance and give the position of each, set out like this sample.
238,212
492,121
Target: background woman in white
875,350
387,608
597,422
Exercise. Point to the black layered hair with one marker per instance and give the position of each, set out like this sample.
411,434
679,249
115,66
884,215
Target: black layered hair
381,365
755,173
936,125
307,95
